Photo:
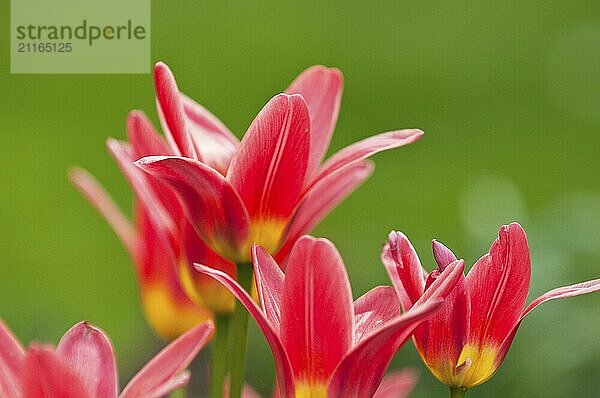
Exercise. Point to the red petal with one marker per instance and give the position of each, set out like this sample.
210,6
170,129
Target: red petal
211,203
440,340
144,139
11,361
285,377
316,309
404,267
361,371
373,310
321,88
46,375
170,109
144,190
99,198
269,168
444,285
561,292
320,199
368,147
164,372
498,285
397,384
90,356
269,283
212,140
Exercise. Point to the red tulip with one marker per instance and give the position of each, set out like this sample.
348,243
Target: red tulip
271,188
83,366
464,343
325,345
155,245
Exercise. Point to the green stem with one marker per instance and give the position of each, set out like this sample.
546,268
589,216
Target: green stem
179,393
220,356
458,392
239,334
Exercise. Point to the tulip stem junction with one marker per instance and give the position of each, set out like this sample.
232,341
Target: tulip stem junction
220,355
458,392
245,273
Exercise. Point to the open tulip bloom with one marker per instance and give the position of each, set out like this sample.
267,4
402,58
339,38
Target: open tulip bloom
325,345
465,342
83,366
154,243
271,187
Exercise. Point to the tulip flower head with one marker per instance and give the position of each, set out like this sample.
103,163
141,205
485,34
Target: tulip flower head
466,341
320,339
270,188
83,366
154,244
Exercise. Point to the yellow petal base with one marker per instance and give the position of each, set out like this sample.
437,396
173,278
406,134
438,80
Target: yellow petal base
310,389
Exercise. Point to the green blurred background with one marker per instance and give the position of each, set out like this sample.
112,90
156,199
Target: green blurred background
508,94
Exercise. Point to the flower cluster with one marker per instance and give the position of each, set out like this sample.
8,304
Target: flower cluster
218,220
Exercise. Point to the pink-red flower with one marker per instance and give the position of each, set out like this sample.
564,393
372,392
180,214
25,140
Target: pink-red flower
155,240
466,341
271,187
325,345
83,366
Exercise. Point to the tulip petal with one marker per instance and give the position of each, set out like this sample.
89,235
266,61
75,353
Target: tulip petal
46,375
269,283
211,203
561,292
285,377
269,169
498,285
11,361
143,137
164,372
99,198
321,88
374,309
89,354
320,199
397,384
404,267
361,371
170,110
316,309
212,139
142,187
440,339
368,147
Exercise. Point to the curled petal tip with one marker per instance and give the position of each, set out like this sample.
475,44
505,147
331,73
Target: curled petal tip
442,255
